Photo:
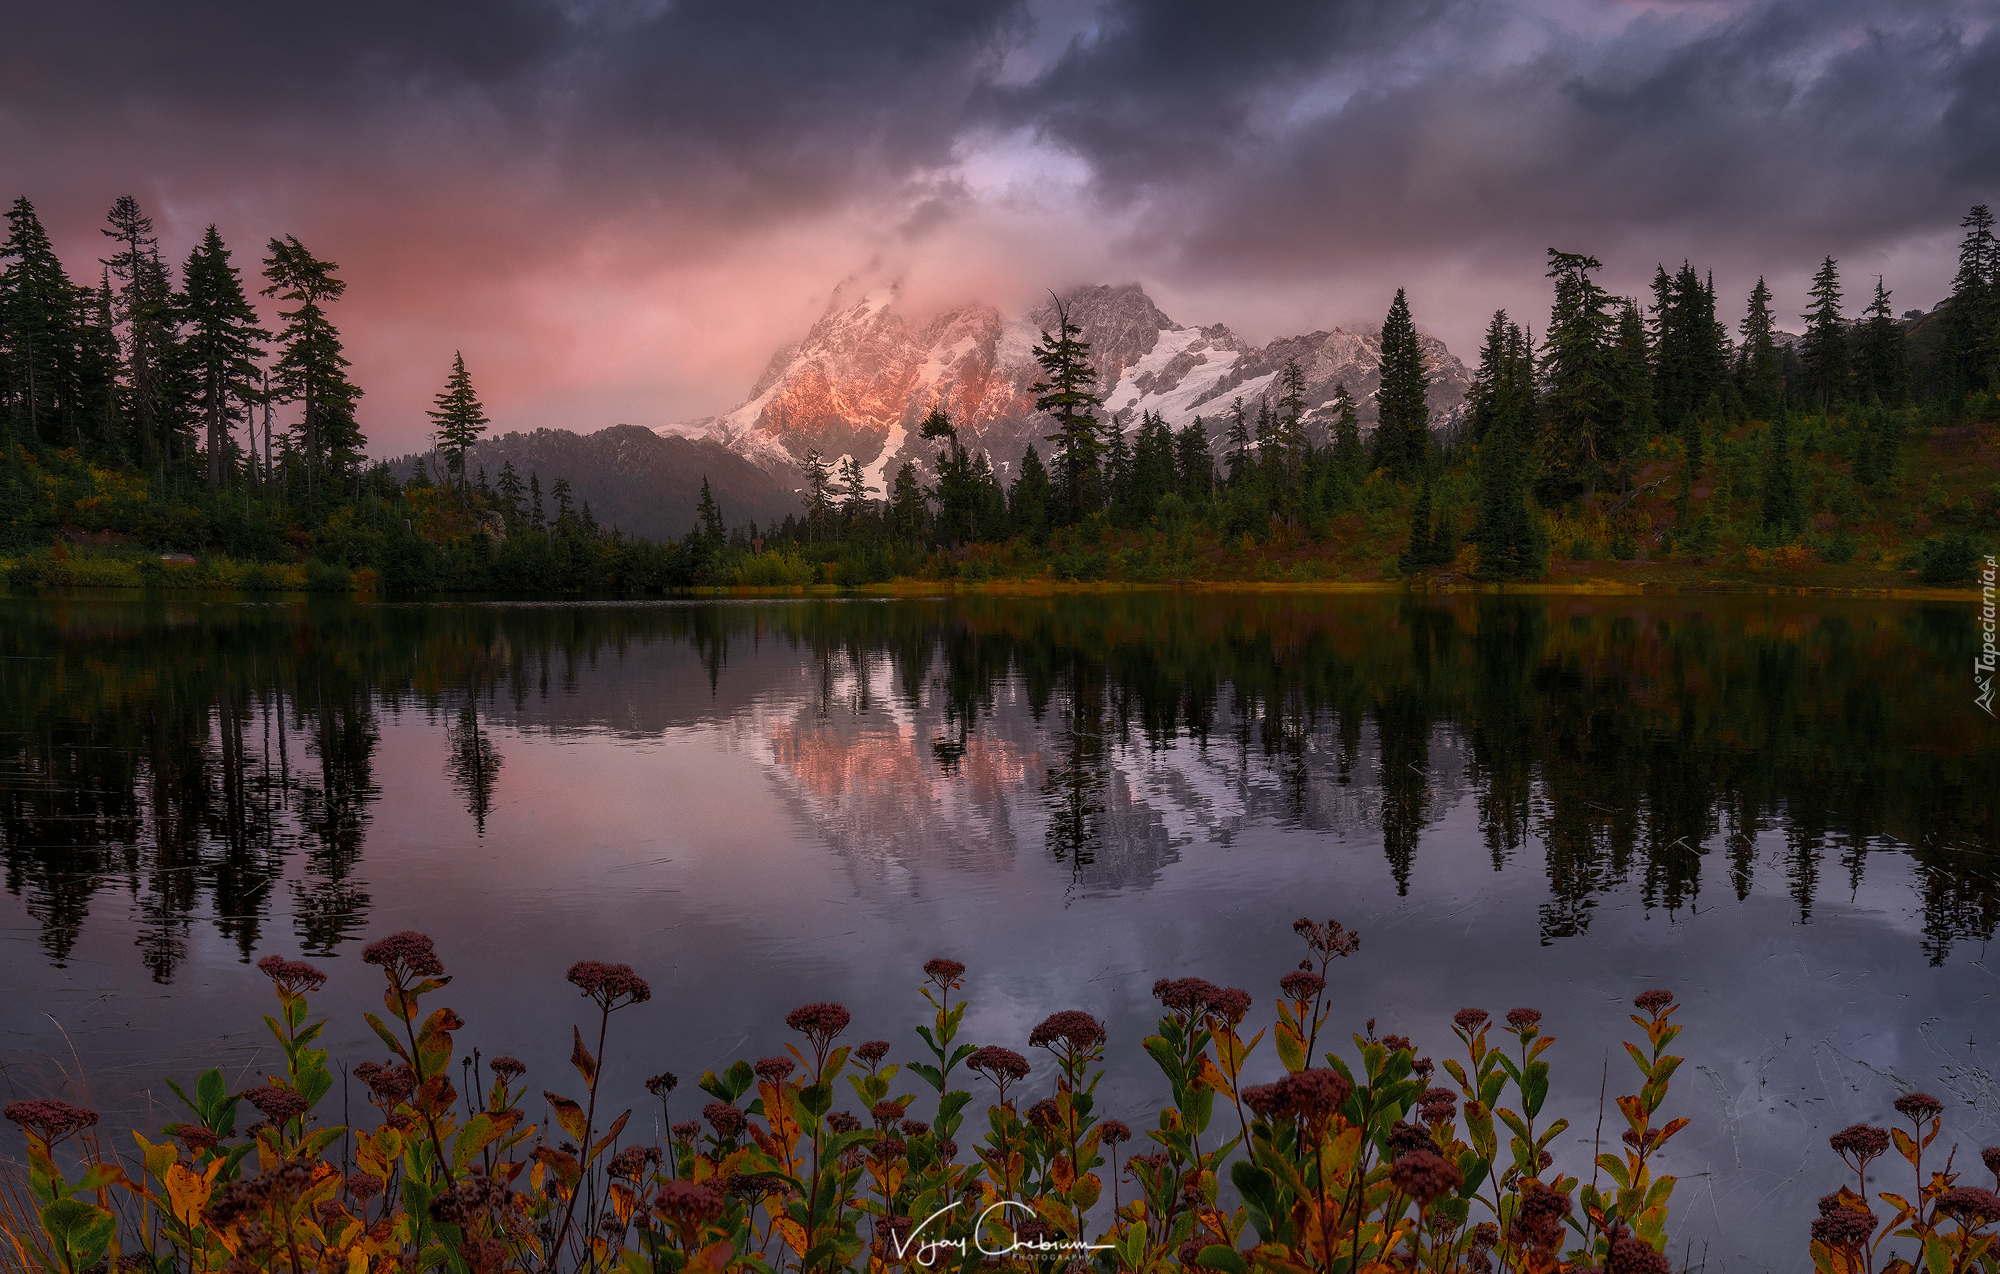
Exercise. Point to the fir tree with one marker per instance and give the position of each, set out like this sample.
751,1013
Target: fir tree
1239,441
1429,544
457,419
1758,364
1689,349
1633,423
906,505
1823,349
312,369
1348,459
708,519
1973,323
1028,503
220,344
39,304
144,312
1292,418
564,497
854,491
1511,543
817,494
1065,393
1402,431
509,487
1783,506
1882,357
1582,400
1194,464
535,501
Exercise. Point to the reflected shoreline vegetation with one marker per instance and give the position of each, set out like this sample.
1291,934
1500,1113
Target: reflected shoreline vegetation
217,766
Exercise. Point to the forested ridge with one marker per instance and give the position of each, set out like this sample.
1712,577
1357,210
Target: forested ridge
157,433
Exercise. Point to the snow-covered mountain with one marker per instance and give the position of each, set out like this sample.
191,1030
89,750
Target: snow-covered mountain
867,373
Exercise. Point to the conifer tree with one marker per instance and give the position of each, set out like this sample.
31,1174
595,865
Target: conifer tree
1292,419
100,366
708,519
1633,423
1823,349
1758,365
565,500
1508,532
1348,459
312,369
220,345
1882,356
817,494
1689,347
1194,464
144,312
1239,441
906,505
1783,504
535,517
457,419
1582,399
1065,393
40,354
1973,324
1028,503
509,487
854,491
1402,431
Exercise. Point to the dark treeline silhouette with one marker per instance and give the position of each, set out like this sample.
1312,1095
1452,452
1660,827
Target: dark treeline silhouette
139,410
183,755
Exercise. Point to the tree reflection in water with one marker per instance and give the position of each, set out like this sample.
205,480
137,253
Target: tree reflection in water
199,757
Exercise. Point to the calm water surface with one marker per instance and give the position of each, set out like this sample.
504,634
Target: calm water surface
1786,812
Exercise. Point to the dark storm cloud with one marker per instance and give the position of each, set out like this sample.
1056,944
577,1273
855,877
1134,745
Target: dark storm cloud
1458,129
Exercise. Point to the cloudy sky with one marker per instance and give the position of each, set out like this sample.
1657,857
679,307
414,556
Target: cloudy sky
618,208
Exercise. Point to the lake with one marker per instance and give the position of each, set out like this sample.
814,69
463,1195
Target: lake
1786,811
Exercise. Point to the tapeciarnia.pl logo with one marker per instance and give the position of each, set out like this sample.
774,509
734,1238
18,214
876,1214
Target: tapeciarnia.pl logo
993,1216
1984,662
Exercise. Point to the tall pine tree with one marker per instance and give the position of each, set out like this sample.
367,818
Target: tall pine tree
312,369
1507,529
1402,431
40,353
1581,401
457,420
1823,349
1882,355
1973,324
1757,366
144,311
1065,392
220,345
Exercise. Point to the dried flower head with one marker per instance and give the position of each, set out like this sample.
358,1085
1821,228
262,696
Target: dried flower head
1113,1132
1469,1019
1653,1001
1001,1065
1971,1205
1422,1069
819,1023
611,986
364,1185
1538,1221
1301,985
1310,1097
775,1070
888,1111
724,1118
688,1202
467,1201
631,1162
1184,996
1437,1105
1523,1019
949,975
1044,1114
390,1085
1991,1158
1329,940
888,1149
872,1052
843,1121
49,1119
1397,1043
1229,1004
279,1105
687,1131
1635,1256
915,1128
295,976
1424,1175
1844,1227
196,1138
1919,1106
508,1069
1069,1034
405,955
1859,1143
1405,1137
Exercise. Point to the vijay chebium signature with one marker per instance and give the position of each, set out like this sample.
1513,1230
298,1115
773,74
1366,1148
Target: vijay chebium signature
993,1234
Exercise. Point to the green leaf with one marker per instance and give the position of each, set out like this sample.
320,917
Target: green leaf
320,1138
929,1074
210,1091
80,1229
1217,1257
1162,1053
479,1132
1535,1088
382,1031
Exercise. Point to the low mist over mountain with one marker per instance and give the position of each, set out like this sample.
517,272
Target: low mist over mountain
635,479
866,374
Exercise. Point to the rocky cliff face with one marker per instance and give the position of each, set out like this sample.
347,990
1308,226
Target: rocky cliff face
866,374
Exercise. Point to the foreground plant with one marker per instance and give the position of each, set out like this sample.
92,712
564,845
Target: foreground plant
1343,1163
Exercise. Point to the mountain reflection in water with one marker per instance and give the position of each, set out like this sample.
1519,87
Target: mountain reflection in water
216,764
